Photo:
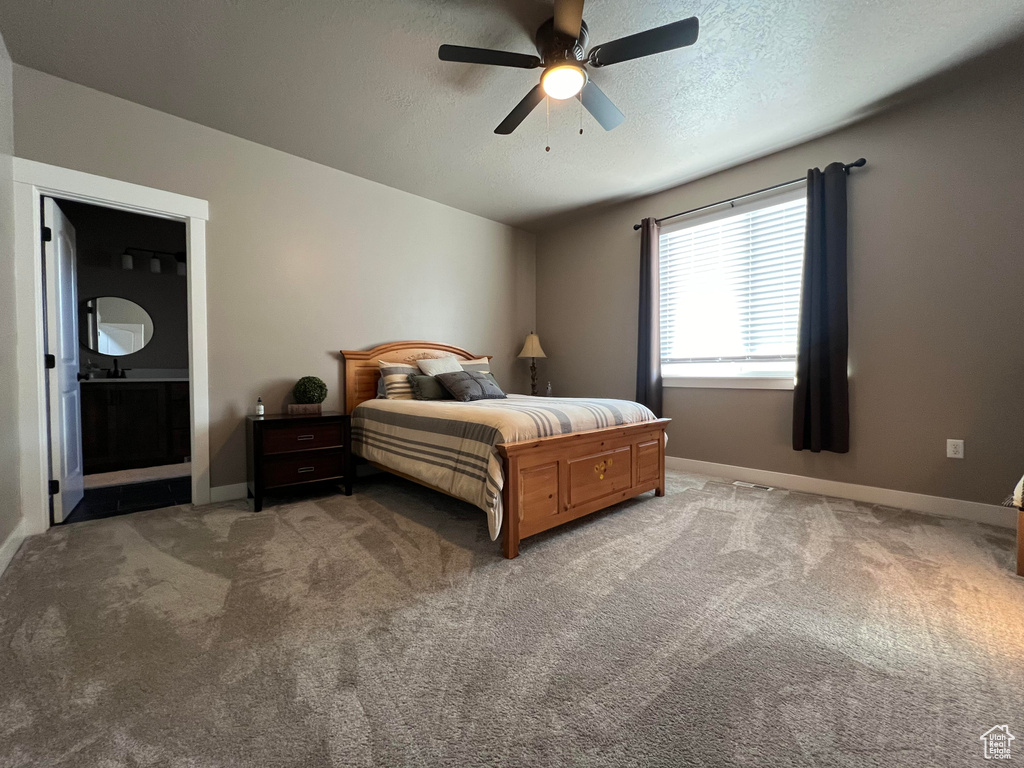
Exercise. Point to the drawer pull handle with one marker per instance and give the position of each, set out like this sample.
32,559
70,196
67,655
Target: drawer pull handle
305,469
305,437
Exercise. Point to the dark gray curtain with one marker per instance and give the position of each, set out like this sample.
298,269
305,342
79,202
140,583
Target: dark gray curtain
648,346
821,401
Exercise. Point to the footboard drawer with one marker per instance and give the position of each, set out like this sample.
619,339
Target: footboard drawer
600,474
550,481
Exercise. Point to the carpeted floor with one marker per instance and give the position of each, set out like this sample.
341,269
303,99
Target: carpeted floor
715,626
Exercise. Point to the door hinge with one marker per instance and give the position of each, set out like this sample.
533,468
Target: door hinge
54,487
50,360
47,234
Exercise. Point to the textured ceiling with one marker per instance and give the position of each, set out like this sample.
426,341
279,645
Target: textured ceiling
357,85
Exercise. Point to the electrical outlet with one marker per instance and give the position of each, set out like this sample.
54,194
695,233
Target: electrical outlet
954,449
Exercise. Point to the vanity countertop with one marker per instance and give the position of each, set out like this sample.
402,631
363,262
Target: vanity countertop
143,380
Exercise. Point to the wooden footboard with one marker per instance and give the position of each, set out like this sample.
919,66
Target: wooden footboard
1020,542
553,480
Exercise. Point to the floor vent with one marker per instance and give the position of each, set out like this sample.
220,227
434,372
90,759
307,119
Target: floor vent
753,485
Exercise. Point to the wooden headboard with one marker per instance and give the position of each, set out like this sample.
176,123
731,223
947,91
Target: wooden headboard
362,371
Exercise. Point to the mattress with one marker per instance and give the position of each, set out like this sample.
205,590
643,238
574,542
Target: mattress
452,446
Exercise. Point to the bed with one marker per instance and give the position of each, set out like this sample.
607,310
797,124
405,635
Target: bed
531,464
1017,500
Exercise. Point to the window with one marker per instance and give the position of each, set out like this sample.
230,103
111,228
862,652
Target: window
730,293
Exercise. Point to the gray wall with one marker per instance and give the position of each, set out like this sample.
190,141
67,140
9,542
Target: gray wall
101,236
302,260
936,316
10,505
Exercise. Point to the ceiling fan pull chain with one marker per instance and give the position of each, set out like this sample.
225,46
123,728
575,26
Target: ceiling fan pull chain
547,109
579,98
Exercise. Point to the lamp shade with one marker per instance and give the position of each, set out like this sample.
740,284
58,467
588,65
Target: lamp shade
532,347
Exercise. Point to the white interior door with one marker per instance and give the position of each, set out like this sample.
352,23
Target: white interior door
62,343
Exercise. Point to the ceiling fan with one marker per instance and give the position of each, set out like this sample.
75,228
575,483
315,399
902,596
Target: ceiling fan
562,43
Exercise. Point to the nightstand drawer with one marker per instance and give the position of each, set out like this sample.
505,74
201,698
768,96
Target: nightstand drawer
303,468
302,437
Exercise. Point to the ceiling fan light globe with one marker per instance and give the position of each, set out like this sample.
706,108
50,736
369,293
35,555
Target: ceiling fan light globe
563,81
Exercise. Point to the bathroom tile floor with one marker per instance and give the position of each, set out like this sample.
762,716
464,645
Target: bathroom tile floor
135,497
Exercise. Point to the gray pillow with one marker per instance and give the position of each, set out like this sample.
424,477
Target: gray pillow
467,386
427,388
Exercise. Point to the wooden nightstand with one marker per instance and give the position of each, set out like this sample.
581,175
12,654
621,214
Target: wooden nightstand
288,451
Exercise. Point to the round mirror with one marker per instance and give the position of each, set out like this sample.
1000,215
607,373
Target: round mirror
114,326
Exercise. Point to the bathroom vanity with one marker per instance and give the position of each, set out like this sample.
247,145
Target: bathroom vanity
132,423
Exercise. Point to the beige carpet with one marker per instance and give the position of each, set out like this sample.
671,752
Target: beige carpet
715,626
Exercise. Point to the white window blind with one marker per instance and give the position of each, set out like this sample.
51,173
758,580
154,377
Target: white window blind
730,288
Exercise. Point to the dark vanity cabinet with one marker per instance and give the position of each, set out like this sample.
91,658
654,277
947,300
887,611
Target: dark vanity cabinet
130,424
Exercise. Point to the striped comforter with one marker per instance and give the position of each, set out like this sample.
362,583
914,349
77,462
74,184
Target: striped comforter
451,445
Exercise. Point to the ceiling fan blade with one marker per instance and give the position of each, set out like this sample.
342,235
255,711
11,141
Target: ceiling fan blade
568,17
521,111
601,107
678,34
487,56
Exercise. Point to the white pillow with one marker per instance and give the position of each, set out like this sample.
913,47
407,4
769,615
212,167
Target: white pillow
431,366
480,365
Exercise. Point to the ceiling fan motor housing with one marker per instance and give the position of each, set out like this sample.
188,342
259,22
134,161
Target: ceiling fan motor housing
556,48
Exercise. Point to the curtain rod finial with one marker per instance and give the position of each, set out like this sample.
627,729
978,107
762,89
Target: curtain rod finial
636,227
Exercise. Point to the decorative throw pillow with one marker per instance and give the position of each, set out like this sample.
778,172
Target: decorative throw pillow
396,379
381,391
427,388
467,386
432,366
480,365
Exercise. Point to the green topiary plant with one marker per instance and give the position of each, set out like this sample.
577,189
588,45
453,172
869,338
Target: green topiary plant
310,390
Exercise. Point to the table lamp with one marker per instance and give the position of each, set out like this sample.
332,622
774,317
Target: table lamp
532,350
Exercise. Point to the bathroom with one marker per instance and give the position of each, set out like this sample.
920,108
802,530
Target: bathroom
132,323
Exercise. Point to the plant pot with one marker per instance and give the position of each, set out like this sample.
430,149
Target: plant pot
301,408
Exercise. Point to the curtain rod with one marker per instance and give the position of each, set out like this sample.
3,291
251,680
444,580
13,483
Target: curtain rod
846,167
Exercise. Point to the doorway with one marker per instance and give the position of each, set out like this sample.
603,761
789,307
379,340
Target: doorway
115,283
40,270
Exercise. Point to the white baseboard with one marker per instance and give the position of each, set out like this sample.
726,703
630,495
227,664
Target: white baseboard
992,514
221,493
11,545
